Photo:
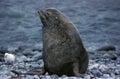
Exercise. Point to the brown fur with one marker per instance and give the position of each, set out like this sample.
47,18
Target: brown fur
63,50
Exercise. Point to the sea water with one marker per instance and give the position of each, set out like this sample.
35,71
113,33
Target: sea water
98,21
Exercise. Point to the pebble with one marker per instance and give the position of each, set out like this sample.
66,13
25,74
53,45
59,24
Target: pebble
96,72
54,76
107,48
106,75
103,68
3,50
27,52
22,58
36,77
9,58
37,56
113,57
87,77
112,75
117,72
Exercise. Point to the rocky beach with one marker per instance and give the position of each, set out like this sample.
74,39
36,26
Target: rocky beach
102,64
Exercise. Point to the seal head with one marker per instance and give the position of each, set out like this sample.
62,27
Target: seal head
51,17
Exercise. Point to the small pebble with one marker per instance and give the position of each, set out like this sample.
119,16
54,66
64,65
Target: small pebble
87,77
36,77
106,75
113,57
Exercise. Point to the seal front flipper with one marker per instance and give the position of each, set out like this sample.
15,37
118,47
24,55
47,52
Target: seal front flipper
76,70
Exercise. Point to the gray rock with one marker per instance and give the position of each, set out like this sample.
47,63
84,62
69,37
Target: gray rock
107,48
3,50
106,75
22,48
36,77
112,74
117,72
96,72
22,59
103,68
113,57
27,52
37,56
37,47
54,76
87,77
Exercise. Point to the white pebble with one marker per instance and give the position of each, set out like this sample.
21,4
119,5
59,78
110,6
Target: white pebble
9,58
36,77
93,66
87,77
106,75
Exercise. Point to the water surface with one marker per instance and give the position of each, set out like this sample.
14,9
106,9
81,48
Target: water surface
98,21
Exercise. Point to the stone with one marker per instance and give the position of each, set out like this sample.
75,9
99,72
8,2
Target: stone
107,48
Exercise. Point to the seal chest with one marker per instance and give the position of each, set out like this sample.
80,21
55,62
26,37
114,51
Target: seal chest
63,50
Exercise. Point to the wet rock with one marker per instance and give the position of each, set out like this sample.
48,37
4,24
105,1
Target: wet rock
96,72
107,48
46,77
9,58
117,72
36,77
28,52
21,66
38,46
54,77
3,50
93,66
112,75
113,57
12,49
103,68
37,49
106,75
37,56
87,77
41,63
22,48
34,65
1,57
63,76
22,58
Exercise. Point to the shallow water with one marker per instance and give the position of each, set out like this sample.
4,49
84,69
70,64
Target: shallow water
98,21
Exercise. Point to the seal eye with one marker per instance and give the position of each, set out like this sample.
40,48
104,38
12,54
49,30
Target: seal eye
56,17
48,13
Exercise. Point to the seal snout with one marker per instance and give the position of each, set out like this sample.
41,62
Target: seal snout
42,14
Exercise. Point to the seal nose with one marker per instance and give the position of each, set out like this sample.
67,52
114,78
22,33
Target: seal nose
41,14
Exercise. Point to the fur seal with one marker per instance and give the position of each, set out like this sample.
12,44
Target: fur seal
63,50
